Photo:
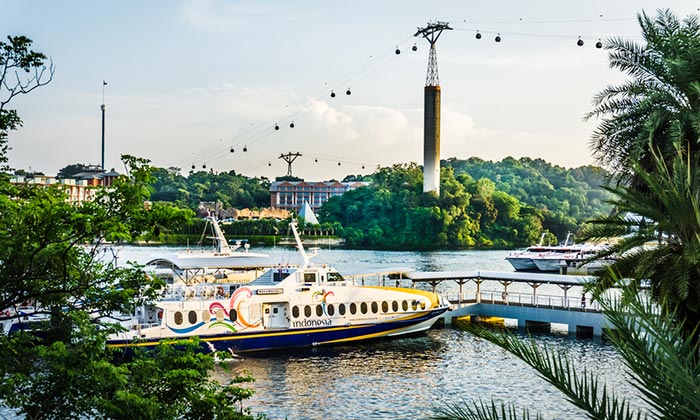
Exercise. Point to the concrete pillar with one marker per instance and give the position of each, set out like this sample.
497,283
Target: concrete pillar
537,326
431,140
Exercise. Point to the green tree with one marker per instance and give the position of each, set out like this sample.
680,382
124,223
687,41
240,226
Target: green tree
21,71
55,269
69,170
659,227
659,105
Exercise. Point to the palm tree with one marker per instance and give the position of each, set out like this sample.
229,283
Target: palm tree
659,226
660,105
662,363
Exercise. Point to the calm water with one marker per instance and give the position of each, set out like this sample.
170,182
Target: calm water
405,378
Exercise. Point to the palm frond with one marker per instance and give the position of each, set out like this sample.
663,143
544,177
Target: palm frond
482,411
581,388
662,359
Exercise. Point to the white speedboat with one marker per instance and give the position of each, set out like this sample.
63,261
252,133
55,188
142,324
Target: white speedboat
522,260
574,257
220,255
284,308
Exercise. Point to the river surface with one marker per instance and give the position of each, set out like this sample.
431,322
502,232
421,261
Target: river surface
406,378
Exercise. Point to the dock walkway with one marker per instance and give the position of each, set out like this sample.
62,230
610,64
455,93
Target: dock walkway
531,310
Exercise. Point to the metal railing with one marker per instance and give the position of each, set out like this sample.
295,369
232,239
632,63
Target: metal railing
527,299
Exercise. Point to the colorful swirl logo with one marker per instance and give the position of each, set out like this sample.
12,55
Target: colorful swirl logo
322,298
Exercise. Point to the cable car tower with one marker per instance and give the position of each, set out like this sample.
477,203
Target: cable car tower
289,158
431,118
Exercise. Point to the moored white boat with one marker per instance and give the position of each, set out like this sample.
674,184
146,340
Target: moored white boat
220,255
522,260
306,306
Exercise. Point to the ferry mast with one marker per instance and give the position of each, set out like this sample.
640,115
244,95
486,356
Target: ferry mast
431,119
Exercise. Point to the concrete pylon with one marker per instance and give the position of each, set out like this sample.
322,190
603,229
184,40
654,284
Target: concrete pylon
431,140
431,121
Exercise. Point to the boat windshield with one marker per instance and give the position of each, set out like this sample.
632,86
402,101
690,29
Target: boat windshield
334,276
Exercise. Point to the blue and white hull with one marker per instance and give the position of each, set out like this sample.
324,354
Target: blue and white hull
306,337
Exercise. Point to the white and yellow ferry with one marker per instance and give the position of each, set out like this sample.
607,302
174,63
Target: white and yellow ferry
305,306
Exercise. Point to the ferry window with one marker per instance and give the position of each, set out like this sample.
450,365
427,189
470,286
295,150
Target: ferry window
205,316
395,306
307,311
414,304
219,315
309,277
333,276
331,310
319,310
422,305
295,311
178,317
232,315
385,307
375,307
341,309
192,317
404,305
353,308
363,307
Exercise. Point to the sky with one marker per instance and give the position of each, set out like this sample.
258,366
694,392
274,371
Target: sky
188,80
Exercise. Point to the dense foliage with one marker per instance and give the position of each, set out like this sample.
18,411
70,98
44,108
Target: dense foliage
566,197
394,212
481,203
656,200
227,188
658,106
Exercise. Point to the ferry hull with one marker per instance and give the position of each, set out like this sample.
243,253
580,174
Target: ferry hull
306,337
522,263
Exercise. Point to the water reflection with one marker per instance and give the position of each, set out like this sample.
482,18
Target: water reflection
404,378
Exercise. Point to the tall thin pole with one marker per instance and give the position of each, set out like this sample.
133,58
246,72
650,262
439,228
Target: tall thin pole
431,115
103,107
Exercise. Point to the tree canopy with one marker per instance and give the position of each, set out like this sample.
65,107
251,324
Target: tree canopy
228,188
481,203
